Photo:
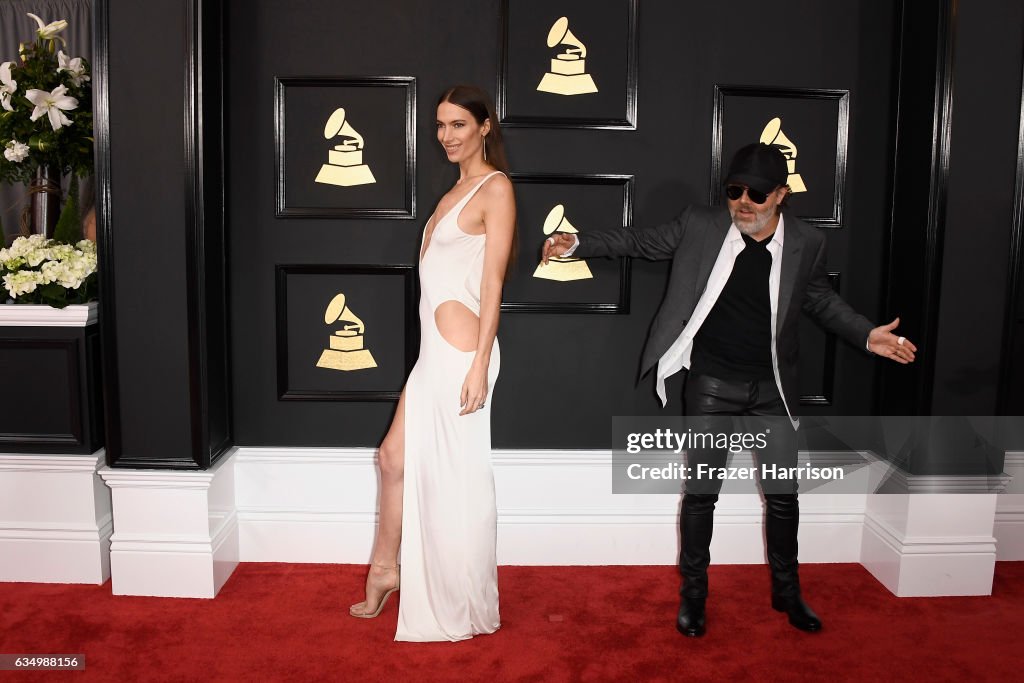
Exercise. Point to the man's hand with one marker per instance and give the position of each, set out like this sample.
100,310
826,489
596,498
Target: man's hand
556,245
882,342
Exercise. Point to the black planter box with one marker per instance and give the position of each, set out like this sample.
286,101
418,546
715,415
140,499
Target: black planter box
51,398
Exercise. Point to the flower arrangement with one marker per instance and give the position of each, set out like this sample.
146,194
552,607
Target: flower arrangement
36,270
46,116
46,124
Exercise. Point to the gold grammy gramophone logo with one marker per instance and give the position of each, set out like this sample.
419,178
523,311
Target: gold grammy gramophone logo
568,75
561,268
346,350
344,165
773,135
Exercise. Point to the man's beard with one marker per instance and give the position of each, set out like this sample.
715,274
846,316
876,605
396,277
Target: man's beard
760,221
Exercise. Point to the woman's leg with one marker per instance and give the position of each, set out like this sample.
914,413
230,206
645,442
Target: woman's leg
383,574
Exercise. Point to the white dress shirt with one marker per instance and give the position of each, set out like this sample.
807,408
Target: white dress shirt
678,355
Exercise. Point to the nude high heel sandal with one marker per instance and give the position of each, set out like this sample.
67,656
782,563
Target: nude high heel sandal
383,598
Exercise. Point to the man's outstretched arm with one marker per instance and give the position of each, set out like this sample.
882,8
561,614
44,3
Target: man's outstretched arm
655,244
826,306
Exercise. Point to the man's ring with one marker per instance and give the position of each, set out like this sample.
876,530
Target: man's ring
901,340
551,241
481,405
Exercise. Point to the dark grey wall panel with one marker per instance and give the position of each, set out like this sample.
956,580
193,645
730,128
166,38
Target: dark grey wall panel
146,122
584,366
982,180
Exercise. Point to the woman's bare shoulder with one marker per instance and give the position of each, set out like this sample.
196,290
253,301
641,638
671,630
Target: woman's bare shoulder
498,188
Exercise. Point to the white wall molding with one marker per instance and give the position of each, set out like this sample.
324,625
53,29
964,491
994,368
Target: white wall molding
41,315
176,532
181,533
931,544
1009,525
555,507
55,519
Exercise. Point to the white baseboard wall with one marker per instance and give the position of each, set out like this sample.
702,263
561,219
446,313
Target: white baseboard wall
554,508
55,519
182,533
175,532
1009,525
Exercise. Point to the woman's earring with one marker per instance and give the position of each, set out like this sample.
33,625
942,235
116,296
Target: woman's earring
485,148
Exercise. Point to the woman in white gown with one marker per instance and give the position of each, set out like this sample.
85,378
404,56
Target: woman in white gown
437,495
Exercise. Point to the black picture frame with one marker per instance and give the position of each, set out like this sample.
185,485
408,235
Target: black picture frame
301,147
820,130
393,344
522,34
536,195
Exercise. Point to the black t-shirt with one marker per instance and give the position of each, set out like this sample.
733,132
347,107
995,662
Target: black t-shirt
735,340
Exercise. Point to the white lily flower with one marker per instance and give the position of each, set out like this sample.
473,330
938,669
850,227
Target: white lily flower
51,104
7,86
73,67
15,151
49,31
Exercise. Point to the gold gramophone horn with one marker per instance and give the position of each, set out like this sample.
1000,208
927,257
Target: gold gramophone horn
561,35
338,126
337,311
557,222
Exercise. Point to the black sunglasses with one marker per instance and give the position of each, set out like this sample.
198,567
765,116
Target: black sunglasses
734,192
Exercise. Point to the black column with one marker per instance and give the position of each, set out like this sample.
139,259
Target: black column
1011,374
921,175
161,224
955,238
980,223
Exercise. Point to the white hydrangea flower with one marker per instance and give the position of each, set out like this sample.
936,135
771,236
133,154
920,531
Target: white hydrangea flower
11,262
23,245
37,256
62,273
67,265
16,151
23,282
59,252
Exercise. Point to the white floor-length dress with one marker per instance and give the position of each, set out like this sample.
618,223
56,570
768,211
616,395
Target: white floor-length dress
449,523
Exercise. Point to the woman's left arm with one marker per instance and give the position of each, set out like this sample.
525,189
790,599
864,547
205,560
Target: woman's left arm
499,215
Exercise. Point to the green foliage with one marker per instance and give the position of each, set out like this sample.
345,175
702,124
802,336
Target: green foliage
69,225
67,149
59,297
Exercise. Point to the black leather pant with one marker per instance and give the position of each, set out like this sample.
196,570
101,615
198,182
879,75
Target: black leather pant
716,400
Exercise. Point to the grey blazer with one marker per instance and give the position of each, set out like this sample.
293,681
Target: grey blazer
692,240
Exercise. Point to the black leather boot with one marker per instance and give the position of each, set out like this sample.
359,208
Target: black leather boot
696,526
782,522
690,620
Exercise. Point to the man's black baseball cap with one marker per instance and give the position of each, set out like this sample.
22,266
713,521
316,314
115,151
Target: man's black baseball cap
758,166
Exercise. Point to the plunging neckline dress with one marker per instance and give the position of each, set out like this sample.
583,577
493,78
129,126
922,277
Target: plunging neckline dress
449,522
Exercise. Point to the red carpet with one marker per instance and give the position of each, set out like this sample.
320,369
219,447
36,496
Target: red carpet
284,622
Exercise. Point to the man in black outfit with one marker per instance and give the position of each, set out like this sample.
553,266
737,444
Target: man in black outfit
739,279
